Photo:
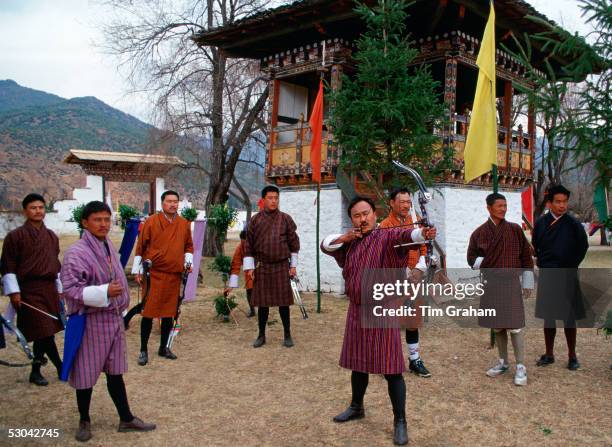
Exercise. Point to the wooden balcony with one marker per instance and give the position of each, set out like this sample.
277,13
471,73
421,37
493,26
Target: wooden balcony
289,156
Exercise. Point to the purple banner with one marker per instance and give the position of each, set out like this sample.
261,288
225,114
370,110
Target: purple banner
199,230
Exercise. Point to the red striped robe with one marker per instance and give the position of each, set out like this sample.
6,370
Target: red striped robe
103,348
375,350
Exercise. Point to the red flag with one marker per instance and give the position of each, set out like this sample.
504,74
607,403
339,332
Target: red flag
316,129
260,204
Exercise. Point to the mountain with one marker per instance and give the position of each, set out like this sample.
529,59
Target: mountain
37,129
14,96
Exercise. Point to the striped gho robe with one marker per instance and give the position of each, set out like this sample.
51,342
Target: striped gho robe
271,247
29,265
370,350
85,276
502,251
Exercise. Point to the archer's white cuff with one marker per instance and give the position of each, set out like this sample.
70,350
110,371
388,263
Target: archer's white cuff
248,263
527,279
294,260
188,259
477,263
327,242
96,296
137,266
10,284
58,284
422,264
233,281
417,235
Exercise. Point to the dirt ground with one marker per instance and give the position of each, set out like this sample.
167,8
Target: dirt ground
222,392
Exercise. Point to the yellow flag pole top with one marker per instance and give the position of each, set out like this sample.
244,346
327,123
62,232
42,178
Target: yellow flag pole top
481,144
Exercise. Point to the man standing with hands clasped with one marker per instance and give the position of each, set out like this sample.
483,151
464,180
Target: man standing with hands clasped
270,260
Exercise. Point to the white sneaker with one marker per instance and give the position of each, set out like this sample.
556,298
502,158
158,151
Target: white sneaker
498,369
520,377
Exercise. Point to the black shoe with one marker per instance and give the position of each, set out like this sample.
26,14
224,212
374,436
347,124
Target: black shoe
251,313
83,433
573,364
400,431
166,353
352,412
143,358
261,340
288,342
545,360
417,367
37,379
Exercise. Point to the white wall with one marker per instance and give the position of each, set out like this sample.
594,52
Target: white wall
301,206
160,187
457,212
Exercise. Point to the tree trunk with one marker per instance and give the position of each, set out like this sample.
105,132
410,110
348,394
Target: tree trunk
604,237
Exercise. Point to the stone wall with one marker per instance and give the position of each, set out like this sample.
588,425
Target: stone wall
301,205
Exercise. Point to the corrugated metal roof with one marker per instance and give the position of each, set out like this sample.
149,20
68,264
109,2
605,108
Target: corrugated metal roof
77,156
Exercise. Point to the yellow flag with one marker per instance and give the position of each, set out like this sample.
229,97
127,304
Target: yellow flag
481,144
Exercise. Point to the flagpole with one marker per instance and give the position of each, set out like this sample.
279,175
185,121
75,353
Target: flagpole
318,250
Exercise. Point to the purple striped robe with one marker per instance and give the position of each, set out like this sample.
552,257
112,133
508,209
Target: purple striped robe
103,348
370,350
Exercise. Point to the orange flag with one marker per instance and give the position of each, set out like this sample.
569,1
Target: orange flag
316,129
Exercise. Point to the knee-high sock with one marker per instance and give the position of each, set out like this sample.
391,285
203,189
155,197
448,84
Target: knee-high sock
166,327
286,319
116,389
53,354
262,319
412,339
570,337
549,340
83,402
47,346
397,393
518,344
359,385
501,338
146,324
249,299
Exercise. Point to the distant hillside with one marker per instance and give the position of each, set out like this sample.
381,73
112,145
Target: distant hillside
14,96
37,129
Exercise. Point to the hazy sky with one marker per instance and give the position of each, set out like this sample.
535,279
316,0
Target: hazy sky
48,45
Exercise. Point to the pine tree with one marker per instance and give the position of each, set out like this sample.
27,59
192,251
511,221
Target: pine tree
387,111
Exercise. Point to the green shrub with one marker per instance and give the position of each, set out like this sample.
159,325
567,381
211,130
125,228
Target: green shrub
220,217
222,264
190,214
223,305
127,212
77,212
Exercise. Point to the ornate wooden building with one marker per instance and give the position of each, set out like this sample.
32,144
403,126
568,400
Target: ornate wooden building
295,42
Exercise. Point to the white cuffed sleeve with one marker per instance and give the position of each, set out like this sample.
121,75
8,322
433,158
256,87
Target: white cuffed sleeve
188,259
137,266
10,284
294,260
417,235
248,263
327,242
528,279
422,264
58,284
96,296
233,281
477,263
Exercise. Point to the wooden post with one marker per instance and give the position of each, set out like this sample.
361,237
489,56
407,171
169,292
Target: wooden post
508,91
531,131
152,198
275,90
450,98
